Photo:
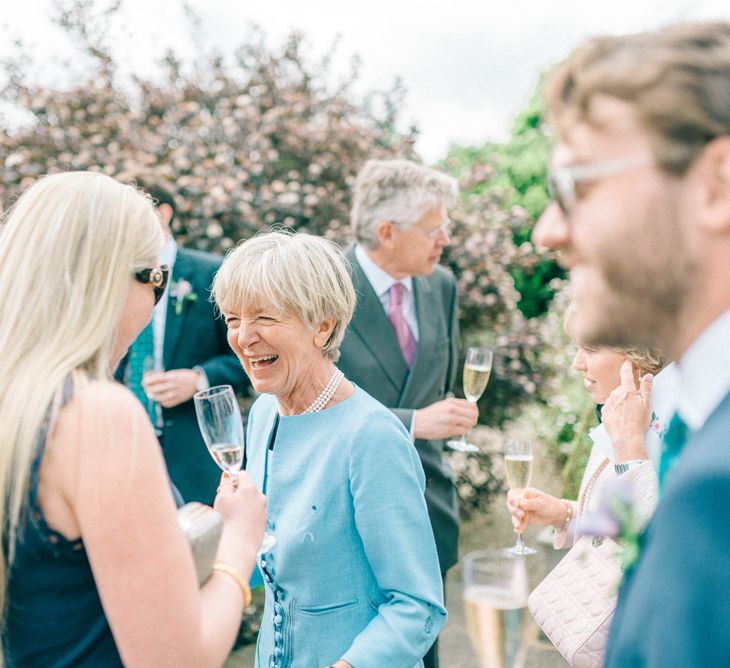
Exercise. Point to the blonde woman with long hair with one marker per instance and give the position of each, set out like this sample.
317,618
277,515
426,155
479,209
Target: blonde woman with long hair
94,569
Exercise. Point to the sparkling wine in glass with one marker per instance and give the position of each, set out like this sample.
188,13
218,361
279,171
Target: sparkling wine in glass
518,466
477,369
219,419
495,596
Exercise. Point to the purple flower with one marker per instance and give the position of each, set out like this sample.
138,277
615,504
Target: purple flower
615,517
599,522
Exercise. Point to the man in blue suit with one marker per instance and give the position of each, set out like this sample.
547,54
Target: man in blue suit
641,215
186,350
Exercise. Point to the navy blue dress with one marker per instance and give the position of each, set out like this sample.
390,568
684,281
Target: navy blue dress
55,618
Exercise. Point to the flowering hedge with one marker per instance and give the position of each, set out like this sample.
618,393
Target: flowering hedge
261,137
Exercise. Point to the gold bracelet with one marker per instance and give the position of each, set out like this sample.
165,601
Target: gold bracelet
240,580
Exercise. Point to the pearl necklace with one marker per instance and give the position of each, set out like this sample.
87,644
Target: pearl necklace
325,396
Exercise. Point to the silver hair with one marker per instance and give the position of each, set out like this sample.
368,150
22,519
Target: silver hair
298,274
399,191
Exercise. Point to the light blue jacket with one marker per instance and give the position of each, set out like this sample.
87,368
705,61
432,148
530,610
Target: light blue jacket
354,573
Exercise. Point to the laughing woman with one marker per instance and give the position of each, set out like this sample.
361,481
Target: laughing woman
353,579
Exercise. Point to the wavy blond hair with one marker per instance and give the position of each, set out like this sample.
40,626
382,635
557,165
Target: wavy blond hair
644,359
68,251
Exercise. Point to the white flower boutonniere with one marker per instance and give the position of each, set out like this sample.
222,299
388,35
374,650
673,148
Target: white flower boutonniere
181,291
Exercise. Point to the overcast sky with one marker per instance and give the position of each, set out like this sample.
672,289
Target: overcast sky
468,66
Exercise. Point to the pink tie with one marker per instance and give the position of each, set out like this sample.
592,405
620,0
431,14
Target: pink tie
402,331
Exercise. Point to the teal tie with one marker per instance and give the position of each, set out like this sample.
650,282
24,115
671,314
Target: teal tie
672,444
141,360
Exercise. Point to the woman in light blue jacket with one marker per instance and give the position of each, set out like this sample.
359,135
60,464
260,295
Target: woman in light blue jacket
353,579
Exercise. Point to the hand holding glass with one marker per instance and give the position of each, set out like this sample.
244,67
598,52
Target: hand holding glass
477,369
219,419
495,595
518,466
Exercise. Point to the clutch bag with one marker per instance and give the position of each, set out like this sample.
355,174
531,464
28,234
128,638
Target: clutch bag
202,527
574,604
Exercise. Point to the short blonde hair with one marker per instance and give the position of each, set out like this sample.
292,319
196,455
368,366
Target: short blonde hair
298,274
400,191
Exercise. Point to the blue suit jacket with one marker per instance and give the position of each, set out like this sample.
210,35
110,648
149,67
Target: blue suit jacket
674,606
354,572
194,337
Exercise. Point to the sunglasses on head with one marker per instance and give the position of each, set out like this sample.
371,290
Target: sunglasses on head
156,277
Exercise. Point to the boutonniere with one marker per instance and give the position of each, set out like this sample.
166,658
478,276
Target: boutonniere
616,517
181,291
657,425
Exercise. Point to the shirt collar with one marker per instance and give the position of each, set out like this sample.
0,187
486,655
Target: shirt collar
168,253
380,279
704,373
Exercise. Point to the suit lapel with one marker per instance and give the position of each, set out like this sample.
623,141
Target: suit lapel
374,329
183,270
426,315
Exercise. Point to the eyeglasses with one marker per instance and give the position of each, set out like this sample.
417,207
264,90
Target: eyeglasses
563,180
156,277
434,233
441,229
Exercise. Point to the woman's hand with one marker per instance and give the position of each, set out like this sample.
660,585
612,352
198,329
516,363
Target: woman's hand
532,506
243,509
626,415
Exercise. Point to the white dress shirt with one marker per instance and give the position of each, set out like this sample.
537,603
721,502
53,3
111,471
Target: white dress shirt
704,373
168,254
382,282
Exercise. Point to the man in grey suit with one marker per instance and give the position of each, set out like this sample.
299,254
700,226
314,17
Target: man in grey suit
401,346
641,182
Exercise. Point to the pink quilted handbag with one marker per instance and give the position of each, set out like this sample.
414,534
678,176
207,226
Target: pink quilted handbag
575,603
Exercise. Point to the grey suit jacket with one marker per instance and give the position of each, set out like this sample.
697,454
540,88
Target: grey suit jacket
674,604
372,359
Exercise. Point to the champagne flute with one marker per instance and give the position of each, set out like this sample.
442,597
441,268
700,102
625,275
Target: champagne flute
518,466
495,595
219,419
477,369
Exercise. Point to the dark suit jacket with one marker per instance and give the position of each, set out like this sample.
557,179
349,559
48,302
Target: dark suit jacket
195,337
674,606
372,359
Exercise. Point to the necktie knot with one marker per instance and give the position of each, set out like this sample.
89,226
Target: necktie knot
396,294
672,444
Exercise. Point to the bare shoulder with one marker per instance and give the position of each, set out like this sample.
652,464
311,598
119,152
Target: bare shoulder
103,412
104,393
104,398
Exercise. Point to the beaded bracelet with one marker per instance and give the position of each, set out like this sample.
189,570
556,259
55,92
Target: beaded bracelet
240,580
568,515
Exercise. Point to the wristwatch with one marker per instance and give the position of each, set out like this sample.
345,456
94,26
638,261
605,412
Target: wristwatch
626,466
201,382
